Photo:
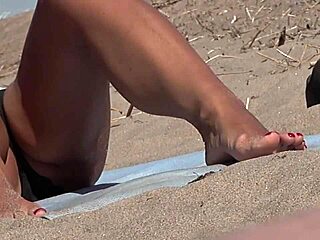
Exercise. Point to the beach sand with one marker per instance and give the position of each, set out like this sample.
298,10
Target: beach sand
246,193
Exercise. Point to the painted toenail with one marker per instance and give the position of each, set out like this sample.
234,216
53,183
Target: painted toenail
40,212
300,134
291,135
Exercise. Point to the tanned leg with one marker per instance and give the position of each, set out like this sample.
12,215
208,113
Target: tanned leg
58,108
11,203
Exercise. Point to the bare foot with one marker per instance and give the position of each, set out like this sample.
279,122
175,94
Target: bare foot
12,205
236,134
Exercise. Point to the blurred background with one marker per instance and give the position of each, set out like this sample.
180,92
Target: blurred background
12,7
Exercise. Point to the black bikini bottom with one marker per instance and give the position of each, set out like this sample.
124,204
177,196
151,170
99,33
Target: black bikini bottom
34,186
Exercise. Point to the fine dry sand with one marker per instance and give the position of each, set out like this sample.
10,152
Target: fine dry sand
245,193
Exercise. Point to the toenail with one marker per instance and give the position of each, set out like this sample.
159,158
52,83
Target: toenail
40,212
291,135
299,134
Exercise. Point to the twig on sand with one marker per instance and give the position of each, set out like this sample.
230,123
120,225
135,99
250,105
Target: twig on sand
115,125
287,56
204,27
116,110
270,58
259,10
195,39
233,73
315,4
286,13
251,42
234,19
221,56
275,33
249,15
311,57
254,38
124,117
165,4
247,103
165,14
311,6
314,46
187,12
130,109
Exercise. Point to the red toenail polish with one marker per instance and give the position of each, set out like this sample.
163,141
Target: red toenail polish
300,134
39,210
291,135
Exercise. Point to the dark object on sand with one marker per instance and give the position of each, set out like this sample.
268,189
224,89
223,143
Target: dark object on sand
282,38
313,86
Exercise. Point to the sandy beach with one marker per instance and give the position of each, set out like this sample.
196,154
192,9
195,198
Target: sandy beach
239,42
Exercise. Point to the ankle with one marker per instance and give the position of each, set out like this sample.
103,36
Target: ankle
214,110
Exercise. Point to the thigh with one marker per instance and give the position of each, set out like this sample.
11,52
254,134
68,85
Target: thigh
58,107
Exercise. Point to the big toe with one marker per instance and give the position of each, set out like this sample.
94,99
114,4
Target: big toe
32,209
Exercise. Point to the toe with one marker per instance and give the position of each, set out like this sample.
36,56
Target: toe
287,141
299,141
40,212
302,146
32,209
291,141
